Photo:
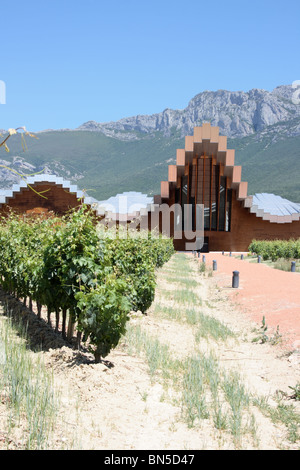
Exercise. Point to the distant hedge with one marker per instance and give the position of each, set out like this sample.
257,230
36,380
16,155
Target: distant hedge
276,249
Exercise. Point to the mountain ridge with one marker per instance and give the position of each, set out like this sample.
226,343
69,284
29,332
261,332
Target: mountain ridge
134,153
236,113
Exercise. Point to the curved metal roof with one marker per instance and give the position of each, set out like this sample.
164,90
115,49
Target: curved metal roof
5,194
128,202
265,205
274,208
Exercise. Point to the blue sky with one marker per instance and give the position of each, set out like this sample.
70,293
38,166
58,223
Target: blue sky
67,62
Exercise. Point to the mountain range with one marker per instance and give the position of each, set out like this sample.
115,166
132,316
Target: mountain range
132,154
238,114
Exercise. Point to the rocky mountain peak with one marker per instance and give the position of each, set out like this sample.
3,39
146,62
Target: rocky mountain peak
237,113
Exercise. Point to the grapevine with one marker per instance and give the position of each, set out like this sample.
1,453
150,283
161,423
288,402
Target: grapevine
69,264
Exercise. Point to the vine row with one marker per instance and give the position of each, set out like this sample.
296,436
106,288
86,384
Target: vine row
73,267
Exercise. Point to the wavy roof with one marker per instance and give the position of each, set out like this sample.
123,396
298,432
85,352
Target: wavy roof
6,194
205,139
121,206
275,208
127,205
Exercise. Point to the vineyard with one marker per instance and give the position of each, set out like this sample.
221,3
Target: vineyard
276,249
188,370
89,277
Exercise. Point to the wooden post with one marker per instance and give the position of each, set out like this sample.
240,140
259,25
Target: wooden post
71,326
56,320
64,317
39,309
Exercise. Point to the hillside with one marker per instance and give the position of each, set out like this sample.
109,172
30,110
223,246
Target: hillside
270,165
100,164
134,153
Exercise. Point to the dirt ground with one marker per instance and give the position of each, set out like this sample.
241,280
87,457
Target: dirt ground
263,291
115,405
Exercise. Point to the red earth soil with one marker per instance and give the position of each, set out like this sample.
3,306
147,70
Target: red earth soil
262,291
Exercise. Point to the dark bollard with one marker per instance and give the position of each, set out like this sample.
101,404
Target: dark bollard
214,265
230,254
293,266
203,258
222,252
199,254
235,279
259,259
242,256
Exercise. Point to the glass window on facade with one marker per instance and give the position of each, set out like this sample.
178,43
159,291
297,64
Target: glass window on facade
228,210
200,181
214,197
204,185
222,191
206,192
192,179
184,196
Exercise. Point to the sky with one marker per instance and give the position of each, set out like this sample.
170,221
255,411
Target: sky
66,62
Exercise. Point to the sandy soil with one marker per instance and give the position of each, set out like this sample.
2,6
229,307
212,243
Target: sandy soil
116,405
263,291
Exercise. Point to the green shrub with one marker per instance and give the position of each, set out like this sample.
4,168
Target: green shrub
69,264
276,249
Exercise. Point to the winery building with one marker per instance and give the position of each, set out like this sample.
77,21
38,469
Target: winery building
205,173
